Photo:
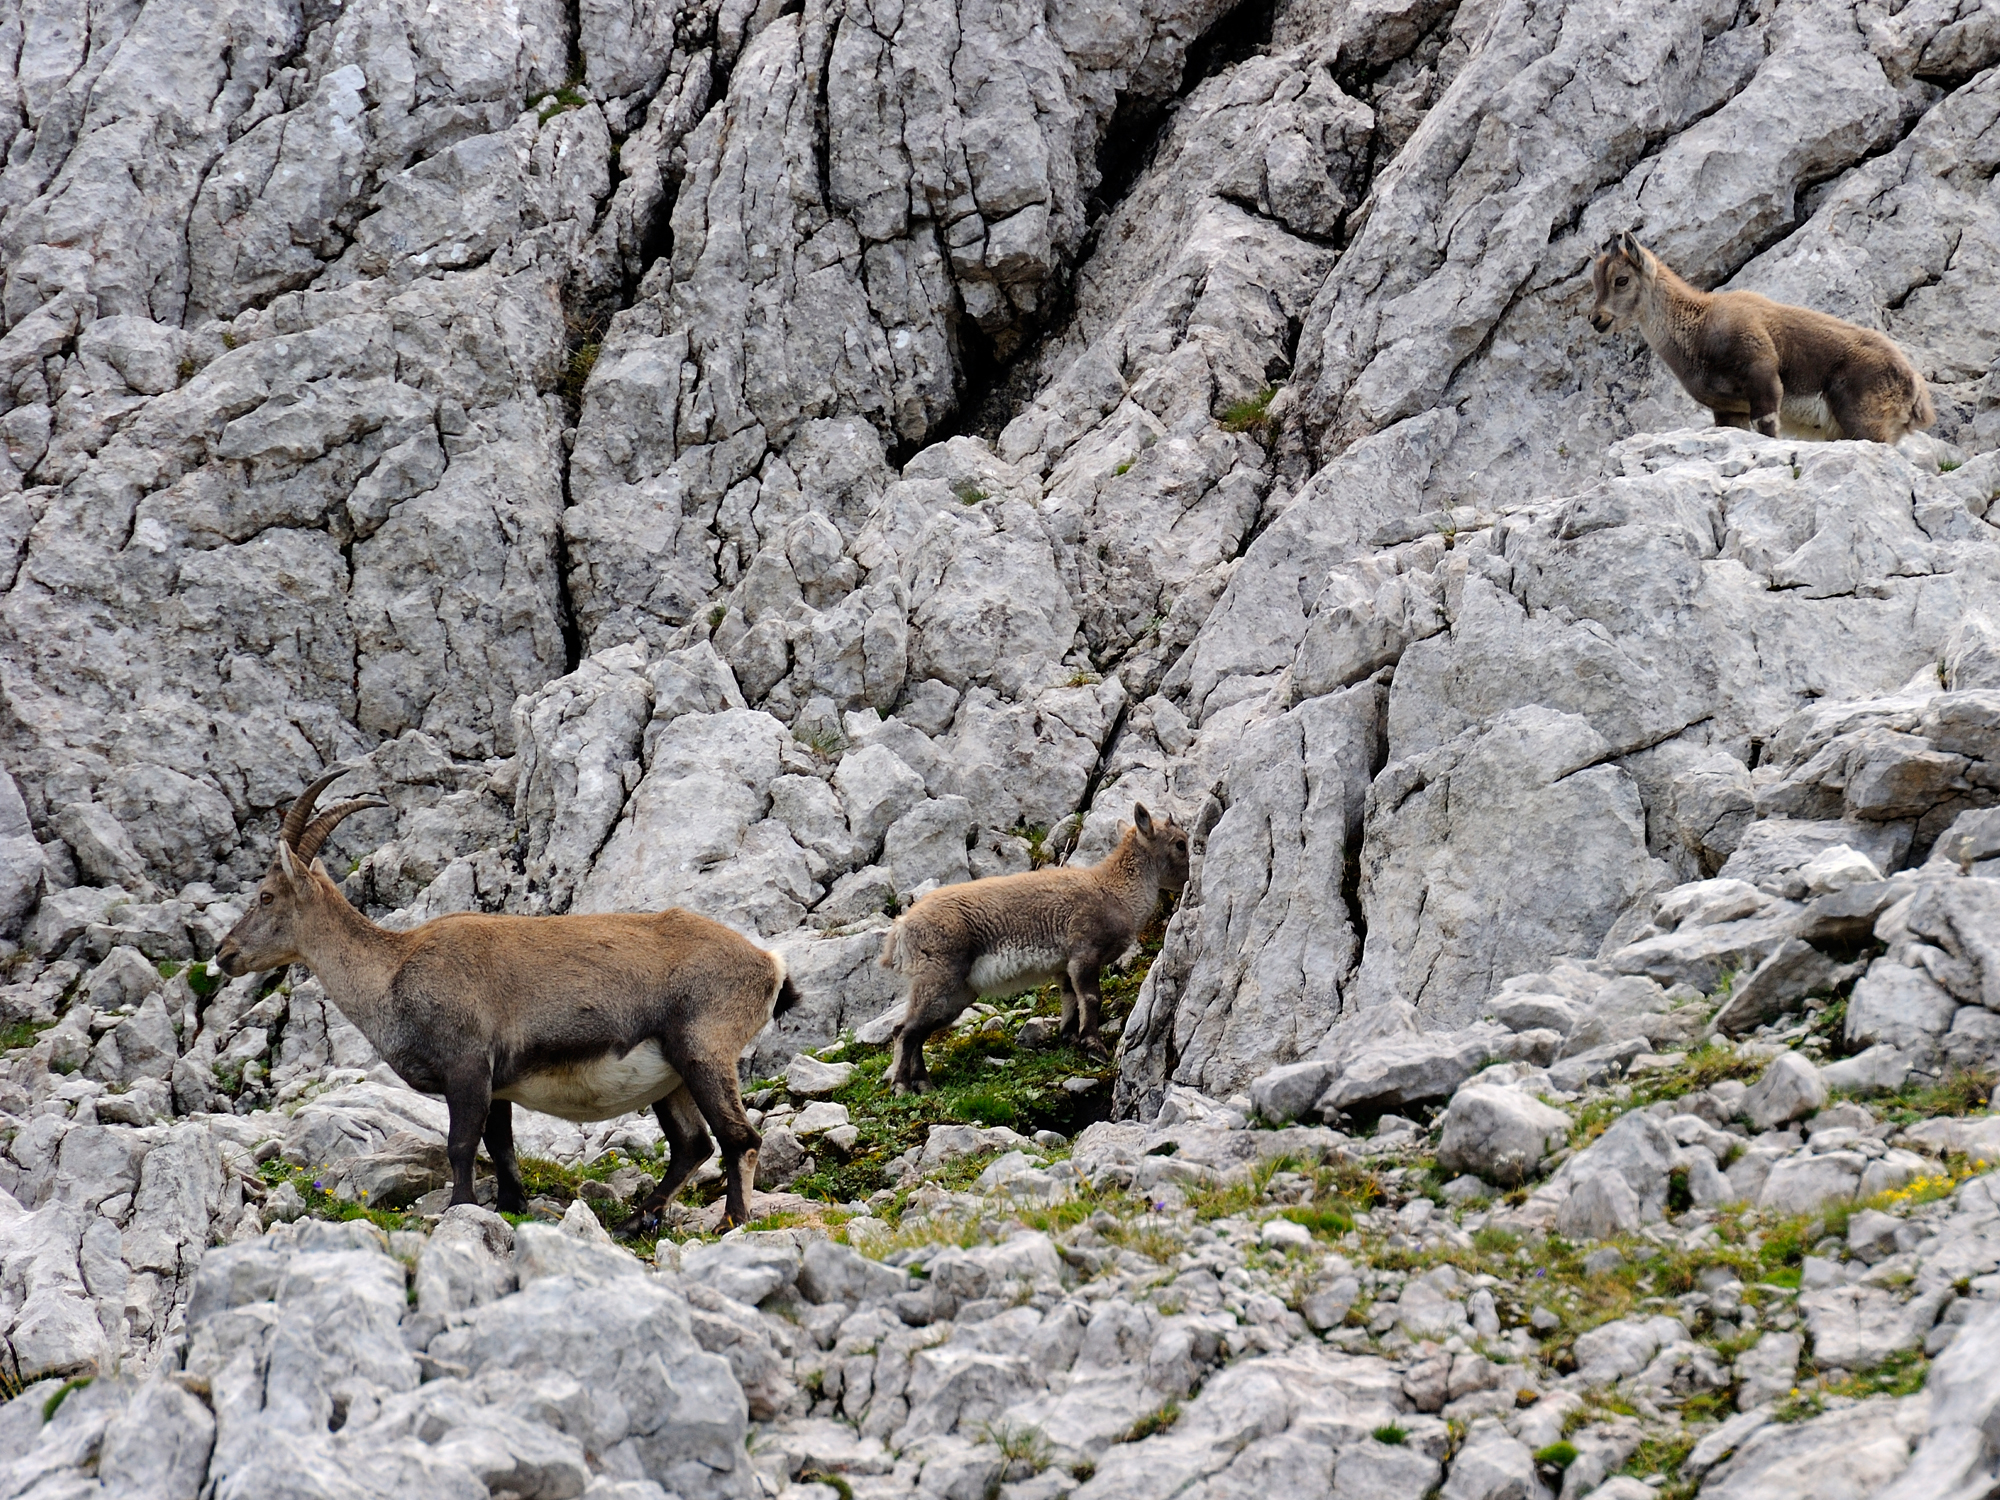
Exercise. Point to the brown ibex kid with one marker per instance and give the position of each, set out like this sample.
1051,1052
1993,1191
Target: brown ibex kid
1010,933
1761,364
586,1017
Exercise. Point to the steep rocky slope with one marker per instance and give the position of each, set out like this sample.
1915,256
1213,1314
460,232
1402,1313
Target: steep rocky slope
773,459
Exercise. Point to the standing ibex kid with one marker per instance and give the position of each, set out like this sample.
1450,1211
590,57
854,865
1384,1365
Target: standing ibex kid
1010,933
1757,363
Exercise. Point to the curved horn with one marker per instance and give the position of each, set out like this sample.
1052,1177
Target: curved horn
316,831
295,820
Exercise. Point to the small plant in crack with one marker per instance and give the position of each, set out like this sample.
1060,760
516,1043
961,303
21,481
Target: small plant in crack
1025,1450
968,493
827,744
566,98
1253,415
716,616
576,374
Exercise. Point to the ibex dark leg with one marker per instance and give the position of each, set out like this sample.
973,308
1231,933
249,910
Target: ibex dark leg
467,1101
500,1146
688,1146
714,1089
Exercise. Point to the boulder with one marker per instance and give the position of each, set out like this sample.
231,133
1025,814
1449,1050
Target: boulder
1860,1327
1793,970
808,1077
1768,1370
1790,1089
1405,1071
1500,1134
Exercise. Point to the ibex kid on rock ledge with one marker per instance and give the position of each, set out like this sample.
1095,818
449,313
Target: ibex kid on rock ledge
1761,364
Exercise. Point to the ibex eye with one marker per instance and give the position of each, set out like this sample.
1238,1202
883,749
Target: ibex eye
264,899
1623,279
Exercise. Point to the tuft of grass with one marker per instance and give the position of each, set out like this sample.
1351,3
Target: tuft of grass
1153,1422
832,1481
1252,415
967,492
185,370
1663,1456
1946,465
61,1394
22,1034
1026,1447
1558,1455
827,744
716,616
1124,468
576,373
1960,1092
1391,1434
1321,1220
1037,835
565,98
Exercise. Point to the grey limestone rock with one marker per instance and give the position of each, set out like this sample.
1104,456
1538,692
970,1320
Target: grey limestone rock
1790,1089
1498,1133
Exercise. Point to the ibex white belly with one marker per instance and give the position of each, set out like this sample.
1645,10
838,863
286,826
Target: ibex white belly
1807,416
598,1089
1010,970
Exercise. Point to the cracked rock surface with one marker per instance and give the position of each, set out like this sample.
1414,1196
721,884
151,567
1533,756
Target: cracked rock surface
777,460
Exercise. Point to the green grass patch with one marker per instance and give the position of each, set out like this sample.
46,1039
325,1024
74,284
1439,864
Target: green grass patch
1391,1434
1253,415
321,1204
61,1394
22,1034
1558,1455
1153,1422
1710,1065
1024,1093
1963,1091
1663,1456
1900,1375
563,99
1328,1220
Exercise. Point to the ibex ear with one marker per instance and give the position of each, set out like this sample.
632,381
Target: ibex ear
286,863
1142,820
1630,248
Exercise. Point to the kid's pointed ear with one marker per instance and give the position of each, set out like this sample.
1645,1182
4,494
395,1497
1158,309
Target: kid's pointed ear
1141,819
1630,248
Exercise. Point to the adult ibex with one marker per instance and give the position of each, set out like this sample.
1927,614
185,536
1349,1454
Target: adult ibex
1010,933
1757,363
586,1017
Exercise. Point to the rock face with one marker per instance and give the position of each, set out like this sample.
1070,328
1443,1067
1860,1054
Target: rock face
468,401
778,459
